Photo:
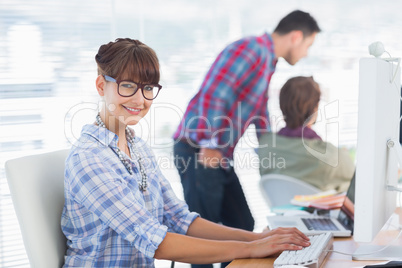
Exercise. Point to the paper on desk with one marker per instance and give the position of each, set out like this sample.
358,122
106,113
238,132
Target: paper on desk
311,197
333,201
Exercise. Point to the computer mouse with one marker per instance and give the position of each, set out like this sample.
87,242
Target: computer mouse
296,213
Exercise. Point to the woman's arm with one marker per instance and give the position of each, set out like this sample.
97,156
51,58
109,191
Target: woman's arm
202,228
208,242
188,249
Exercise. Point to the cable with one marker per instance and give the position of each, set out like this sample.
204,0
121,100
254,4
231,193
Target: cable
368,253
393,82
393,74
388,54
376,49
397,66
397,87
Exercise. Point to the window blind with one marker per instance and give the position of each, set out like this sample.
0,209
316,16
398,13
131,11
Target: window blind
46,57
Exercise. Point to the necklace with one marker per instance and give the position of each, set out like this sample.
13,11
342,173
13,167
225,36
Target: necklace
124,160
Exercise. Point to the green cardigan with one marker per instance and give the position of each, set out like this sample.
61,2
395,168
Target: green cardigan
314,161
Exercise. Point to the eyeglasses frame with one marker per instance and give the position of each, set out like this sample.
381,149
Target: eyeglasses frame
139,86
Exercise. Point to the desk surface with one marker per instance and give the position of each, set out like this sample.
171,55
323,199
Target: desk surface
334,260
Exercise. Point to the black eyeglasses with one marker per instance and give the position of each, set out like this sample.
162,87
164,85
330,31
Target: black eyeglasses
127,88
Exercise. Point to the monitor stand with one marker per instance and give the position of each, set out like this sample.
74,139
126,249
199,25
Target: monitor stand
390,253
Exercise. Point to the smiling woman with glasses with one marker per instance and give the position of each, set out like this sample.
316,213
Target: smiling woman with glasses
127,88
119,210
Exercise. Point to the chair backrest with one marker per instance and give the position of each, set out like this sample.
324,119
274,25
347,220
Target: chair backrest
278,189
37,190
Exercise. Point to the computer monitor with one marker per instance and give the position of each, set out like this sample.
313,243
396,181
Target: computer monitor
376,163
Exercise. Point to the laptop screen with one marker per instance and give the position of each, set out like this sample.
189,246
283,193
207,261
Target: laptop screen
347,212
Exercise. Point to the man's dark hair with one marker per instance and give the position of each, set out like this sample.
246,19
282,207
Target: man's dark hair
298,21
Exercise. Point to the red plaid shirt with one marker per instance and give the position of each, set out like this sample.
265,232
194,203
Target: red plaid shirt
234,94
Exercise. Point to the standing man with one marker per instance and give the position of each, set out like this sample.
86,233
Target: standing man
234,95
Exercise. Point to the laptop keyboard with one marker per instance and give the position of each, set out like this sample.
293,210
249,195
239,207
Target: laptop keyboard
319,224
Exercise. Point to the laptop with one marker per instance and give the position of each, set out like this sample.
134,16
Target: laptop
341,226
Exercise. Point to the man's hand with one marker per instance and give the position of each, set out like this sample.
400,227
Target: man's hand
209,157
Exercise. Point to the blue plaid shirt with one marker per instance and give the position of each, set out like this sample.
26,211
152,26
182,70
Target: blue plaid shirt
107,220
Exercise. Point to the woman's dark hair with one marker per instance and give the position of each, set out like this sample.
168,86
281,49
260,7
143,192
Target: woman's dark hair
128,59
298,21
298,100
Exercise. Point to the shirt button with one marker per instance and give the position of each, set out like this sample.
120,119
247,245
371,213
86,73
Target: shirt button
137,228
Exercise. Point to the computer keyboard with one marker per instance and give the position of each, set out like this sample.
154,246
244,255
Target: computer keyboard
312,256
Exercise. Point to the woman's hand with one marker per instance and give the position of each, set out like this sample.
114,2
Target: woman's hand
281,230
278,240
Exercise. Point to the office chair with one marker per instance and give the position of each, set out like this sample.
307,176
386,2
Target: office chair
278,189
37,190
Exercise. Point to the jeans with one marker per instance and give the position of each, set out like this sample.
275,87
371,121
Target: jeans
215,193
